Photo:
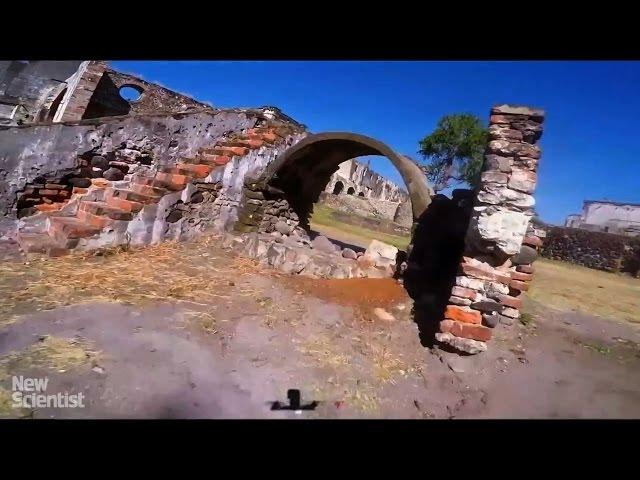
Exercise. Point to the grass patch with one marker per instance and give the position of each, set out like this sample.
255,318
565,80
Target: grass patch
526,319
322,216
571,287
601,349
53,353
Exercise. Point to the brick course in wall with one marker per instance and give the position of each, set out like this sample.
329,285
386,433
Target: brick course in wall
500,243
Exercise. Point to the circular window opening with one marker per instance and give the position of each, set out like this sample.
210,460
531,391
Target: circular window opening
130,93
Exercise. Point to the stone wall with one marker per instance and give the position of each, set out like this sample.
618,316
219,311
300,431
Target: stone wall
361,180
80,89
49,152
28,88
107,101
602,251
500,245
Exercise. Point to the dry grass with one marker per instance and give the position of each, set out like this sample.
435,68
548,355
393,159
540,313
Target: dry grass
172,271
53,353
322,350
323,221
571,287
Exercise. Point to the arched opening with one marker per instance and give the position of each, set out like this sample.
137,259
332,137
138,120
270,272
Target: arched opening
303,171
293,182
361,194
131,93
337,189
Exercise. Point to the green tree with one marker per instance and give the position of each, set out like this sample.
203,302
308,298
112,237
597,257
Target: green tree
454,150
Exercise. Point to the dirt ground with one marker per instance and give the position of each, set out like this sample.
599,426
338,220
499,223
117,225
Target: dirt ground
203,334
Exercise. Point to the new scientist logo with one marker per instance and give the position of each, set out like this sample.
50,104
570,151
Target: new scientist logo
30,393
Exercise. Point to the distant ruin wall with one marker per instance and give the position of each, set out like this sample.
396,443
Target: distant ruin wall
51,150
364,182
598,250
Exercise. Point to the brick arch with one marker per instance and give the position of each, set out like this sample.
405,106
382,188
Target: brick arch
308,165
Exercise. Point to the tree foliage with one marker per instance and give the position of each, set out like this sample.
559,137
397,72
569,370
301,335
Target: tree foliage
454,150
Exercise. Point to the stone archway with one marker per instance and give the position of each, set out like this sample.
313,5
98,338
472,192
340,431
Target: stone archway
303,171
281,199
337,189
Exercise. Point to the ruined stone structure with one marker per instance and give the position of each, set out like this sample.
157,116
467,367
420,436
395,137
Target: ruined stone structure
31,90
356,178
500,245
607,216
46,91
381,197
137,178
599,250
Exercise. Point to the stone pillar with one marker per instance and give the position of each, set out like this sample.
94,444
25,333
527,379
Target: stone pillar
496,266
80,91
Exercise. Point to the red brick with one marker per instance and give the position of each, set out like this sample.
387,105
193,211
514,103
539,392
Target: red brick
199,170
97,221
466,330
48,192
248,142
518,285
218,160
47,200
100,182
55,186
228,151
122,204
509,301
463,292
173,178
43,207
524,277
526,268
532,241
269,137
462,314
485,273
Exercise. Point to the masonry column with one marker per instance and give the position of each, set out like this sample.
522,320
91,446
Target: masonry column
80,90
496,266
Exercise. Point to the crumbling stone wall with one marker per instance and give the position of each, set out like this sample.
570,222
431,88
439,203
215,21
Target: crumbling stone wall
496,266
80,89
52,151
28,88
107,101
602,251
359,177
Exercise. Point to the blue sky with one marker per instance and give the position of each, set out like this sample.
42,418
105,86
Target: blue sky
590,148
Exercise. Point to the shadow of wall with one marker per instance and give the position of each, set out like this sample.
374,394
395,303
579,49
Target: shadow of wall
434,257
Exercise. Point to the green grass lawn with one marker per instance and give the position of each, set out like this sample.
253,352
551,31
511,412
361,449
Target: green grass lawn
323,221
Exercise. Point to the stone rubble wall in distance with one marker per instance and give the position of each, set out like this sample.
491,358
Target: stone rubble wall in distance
500,245
598,250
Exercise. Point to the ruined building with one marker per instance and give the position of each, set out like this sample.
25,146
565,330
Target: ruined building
92,169
356,178
607,216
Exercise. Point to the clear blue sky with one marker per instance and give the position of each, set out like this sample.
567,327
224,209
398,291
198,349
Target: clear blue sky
590,147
